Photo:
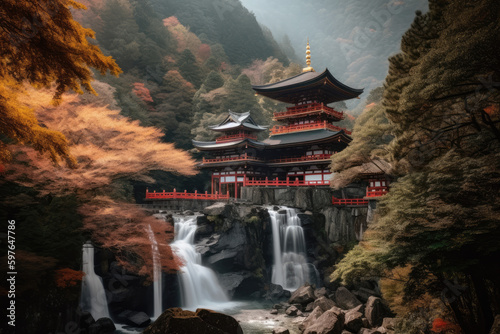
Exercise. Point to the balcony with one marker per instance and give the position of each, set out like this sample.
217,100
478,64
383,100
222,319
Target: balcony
244,157
306,127
238,136
315,157
284,183
185,195
306,110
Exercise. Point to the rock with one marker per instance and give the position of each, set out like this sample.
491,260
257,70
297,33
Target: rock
363,294
226,323
274,311
102,326
188,213
292,311
354,320
276,293
232,282
495,329
133,318
321,292
389,323
345,299
281,330
330,322
374,311
303,295
324,302
309,307
216,209
311,319
85,319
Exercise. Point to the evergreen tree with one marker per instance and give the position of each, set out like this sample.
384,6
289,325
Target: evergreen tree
190,69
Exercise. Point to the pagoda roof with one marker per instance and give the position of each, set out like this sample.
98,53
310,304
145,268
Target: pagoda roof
238,121
309,86
213,145
294,138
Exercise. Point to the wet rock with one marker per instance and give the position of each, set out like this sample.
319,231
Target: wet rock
133,318
102,326
276,293
345,299
330,322
274,311
281,330
216,209
324,303
226,323
303,295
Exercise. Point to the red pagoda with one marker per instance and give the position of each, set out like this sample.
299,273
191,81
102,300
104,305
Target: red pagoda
298,151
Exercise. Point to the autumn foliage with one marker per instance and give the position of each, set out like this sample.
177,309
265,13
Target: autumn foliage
67,277
142,92
442,326
42,45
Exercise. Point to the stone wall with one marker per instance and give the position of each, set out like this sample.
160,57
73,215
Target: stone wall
177,204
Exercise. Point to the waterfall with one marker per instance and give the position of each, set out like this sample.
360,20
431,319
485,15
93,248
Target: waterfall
93,298
199,285
157,283
290,269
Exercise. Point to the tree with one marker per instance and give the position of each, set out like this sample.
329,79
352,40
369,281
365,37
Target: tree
441,216
42,45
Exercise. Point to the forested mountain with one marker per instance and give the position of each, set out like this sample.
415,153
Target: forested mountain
352,38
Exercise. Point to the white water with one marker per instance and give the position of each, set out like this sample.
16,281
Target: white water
290,269
93,297
157,283
199,285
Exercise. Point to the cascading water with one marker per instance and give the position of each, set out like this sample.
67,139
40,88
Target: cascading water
290,269
157,283
93,297
199,285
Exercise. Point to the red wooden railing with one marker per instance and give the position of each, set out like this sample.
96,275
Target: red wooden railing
302,158
227,138
376,191
311,126
306,109
243,157
349,201
283,183
185,195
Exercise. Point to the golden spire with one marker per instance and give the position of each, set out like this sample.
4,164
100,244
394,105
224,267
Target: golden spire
308,59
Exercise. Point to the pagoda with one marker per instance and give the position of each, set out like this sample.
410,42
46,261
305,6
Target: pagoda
298,150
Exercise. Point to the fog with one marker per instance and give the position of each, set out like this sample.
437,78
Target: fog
353,39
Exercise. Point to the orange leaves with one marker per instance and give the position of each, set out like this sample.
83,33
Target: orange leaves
142,92
106,145
122,228
171,21
491,110
442,326
67,277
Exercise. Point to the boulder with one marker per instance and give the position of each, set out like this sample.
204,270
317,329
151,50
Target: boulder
309,307
232,282
274,311
345,299
374,311
179,321
321,292
363,294
303,295
292,311
226,323
276,293
353,320
281,330
324,302
311,319
216,209
102,326
330,322
85,319
133,318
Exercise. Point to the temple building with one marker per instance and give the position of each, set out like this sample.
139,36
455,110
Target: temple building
298,150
